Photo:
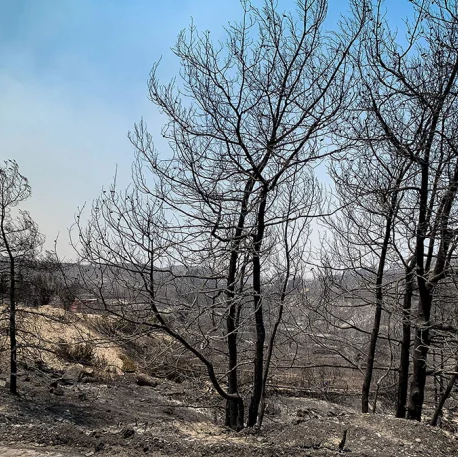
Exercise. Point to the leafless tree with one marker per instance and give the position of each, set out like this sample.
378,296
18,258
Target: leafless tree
409,102
19,240
247,121
368,182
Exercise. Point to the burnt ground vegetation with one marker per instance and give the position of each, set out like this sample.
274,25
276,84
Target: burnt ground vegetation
118,417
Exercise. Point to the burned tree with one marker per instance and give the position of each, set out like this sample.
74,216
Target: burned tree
19,240
368,181
247,120
409,100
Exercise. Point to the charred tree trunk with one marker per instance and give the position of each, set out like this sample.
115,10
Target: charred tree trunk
235,408
232,406
421,339
372,345
273,335
12,315
378,307
12,330
420,354
403,381
258,314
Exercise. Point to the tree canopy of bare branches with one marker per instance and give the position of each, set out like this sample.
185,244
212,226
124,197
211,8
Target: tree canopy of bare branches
229,209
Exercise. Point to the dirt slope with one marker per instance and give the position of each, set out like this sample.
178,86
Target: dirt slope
41,330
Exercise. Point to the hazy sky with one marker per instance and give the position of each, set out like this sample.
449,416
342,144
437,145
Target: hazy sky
73,79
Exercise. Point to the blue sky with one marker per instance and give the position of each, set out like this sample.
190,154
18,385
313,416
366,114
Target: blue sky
73,81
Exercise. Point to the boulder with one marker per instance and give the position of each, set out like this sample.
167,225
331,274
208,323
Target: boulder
73,374
145,380
76,373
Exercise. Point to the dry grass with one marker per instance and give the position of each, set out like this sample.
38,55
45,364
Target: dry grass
57,337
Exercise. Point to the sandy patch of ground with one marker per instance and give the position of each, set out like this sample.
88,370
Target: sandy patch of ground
40,331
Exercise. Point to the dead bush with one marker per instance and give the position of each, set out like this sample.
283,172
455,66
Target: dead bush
113,326
128,365
83,353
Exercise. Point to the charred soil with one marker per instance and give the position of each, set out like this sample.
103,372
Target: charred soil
122,418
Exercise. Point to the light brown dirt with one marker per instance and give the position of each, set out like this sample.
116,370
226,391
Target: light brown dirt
47,326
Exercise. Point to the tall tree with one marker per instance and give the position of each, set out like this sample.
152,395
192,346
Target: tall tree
19,239
248,119
409,99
